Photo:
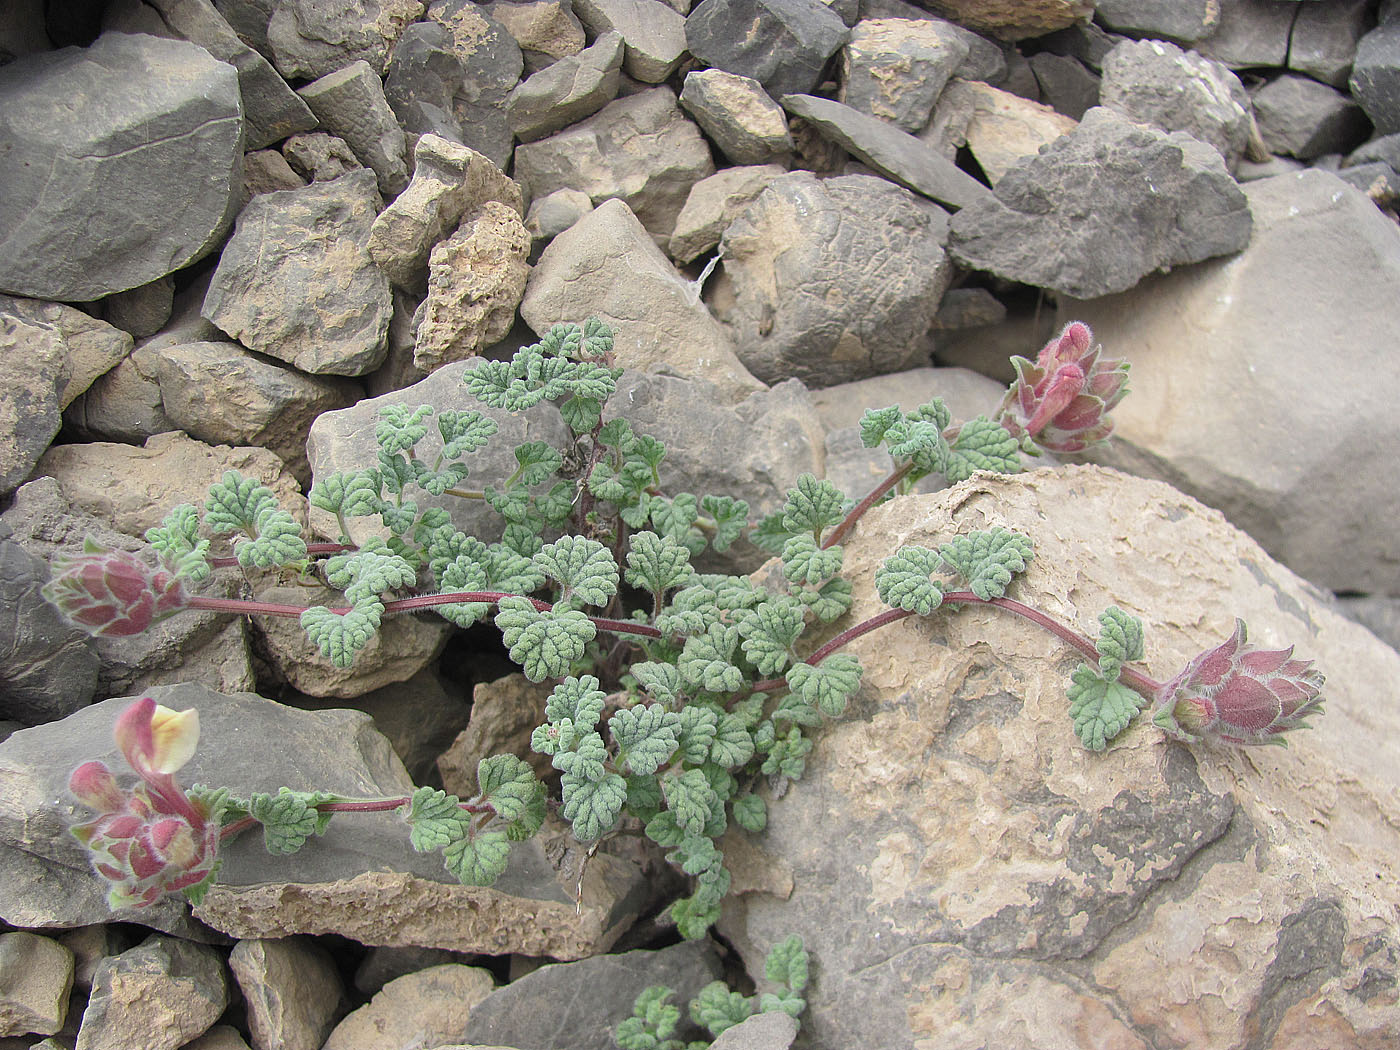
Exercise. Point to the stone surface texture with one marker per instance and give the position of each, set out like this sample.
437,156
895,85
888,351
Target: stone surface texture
1375,76
654,34
310,38
291,990
1012,19
424,1009
1299,117
36,974
1010,887
1184,20
895,69
350,103
1000,128
785,45
566,91
159,995
546,30
713,204
738,115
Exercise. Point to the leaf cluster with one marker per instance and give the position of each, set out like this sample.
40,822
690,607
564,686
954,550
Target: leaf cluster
1100,705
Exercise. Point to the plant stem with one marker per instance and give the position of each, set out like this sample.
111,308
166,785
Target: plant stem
876,494
465,493
311,548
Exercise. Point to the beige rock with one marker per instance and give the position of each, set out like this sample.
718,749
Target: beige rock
1009,887
1013,19
476,279
220,1037
712,205
504,714
36,974
125,403
552,215
654,32
90,945
85,346
607,266
998,127
292,991
895,68
267,171
419,1010
158,996
546,30
744,121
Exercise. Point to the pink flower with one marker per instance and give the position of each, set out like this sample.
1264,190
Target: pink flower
1062,400
151,839
1240,694
112,592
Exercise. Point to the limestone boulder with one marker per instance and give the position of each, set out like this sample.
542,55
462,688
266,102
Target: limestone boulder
566,91
738,115
713,204
1007,886
895,68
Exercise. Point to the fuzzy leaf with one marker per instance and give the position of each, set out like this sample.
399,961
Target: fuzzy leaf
588,759
435,818
439,481
656,563
178,543
788,753
597,338
698,728
645,736
577,699
463,574
652,1022
829,685
794,708
1101,708
902,580
662,682
353,494
695,855
1120,641
509,786
812,506
690,798
464,432
584,568
733,743
592,806
674,517
543,644
236,502
398,517
805,562
400,428
731,517
581,414
829,602
876,422
769,631
988,560
770,534
663,829
706,660
934,411
538,461
369,572
919,441
982,444
288,818
716,1008
694,916
787,964
478,860
750,812
341,635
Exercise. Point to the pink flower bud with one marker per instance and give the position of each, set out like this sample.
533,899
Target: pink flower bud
1061,400
112,592
93,785
1239,694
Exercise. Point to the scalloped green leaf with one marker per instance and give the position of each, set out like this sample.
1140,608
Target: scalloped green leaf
288,818
902,580
577,699
919,441
1120,641
731,518
787,964
933,411
717,1009
538,462
829,685
543,644
876,422
982,444
661,682
988,560
830,601
690,799
352,494
399,427
1100,708
699,725
435,819
236,502
478,860
733,743
340,636
178,543
509,786
805,562
645,737
657,563
813,505
707,659
592,806
750,812
769,631
370,571
584,568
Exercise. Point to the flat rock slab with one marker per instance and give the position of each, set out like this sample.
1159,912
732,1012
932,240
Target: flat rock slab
1008,887
89,206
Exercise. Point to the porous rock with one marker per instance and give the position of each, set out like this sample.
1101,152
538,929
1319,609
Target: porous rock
291,989
607,266
296,281
1012,19
89,206
1234,413
160,995
896,68
785,45
1010,887
1066,220
832,280
310,38
742,119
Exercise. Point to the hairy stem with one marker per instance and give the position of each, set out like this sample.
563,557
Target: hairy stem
876,494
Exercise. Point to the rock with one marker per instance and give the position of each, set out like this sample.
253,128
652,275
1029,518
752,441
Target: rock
397,371
891,152
653,32
504,714
1378,614
586,999
382,965
1010,887
220,1037
1277,475
296,281
1060,221
90,207
491,65
567,91
310,38
1375,76
449,181
1324,40
91,944
639,149
1305,119
271,110
159,995
546,30
1151,82
1378,181
735,111
607,266
554,213
123,404
36,974
1066,84
773,1030
785,45
799,292
49,667
421,82
292,990
1084,41
419,1009
713,204
895,69
1251,33
968,308
350,103
319,157
1184,20
1011,19
1001,129
476,279
143,311
1384,148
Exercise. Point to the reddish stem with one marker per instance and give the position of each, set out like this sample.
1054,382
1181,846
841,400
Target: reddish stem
311,548
876,494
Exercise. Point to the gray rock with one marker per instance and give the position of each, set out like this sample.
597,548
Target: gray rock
713,204
891,152
123,404
296,281
968,308
640,149
424,1009
160,995
567,91
1325,38
49,667
590,997
1060,220
292,991
271,110
546,30
310,38
397,371
421,81
785,46
1385,148
735,111
1087,42
1305,119
1378,614
772,1030
249,20
1377,180
1279,476
801,293
554,213
1066,84
653,32
382,965
607,266
90,206
319,157
491,65
36,974
1184,20
1152,82
895,69
143,311
350,104
1251,33
1375,76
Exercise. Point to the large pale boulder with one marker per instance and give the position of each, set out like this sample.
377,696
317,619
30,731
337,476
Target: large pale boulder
967,874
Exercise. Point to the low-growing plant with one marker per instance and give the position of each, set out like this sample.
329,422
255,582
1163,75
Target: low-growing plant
676,697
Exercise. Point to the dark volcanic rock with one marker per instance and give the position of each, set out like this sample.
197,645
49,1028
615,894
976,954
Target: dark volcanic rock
785,45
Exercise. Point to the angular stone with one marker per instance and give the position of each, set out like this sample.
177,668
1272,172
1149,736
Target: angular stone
1001,862
350,103
90,206
143,311
1304,119
36,974
1184,20
567,91
607,266
296,281
1063,220
1066,84
123,404
968,308
1251,33
1378,181
771,1030
895,69
713,204
801,292
427,1009
1325,38
421,82
554,213
1375,76
381,965
1012,19
310,38
1297,481
891,152
505,712
318,157
220,1037
785,46
640,149
491,65
744,122
654,34
158,995
476,279
1152,82
292,991
1001,129
546,30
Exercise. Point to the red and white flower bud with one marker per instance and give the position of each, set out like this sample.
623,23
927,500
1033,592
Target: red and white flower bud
112,592
1061,400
